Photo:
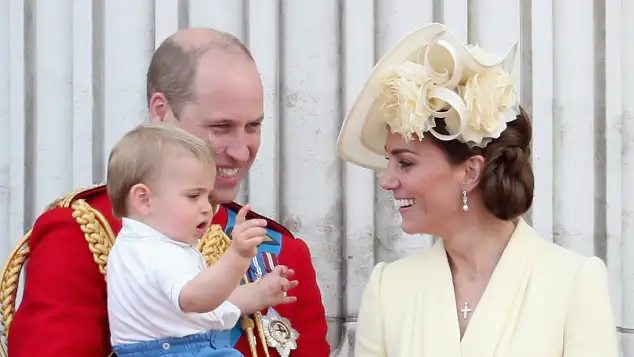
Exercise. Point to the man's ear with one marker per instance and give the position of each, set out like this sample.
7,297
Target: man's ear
140,199
473,168
159,108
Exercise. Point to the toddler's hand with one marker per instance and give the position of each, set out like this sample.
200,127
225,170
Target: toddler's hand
247,234
268,291
274,285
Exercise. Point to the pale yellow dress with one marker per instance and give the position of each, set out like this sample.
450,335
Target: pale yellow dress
542,301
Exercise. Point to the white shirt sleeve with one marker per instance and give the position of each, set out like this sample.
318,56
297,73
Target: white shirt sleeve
173,266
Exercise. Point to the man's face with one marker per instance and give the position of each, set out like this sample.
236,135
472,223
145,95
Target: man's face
227,112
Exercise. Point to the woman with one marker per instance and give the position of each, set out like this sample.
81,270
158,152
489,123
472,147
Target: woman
457,145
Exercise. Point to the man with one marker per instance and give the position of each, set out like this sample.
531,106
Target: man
207,83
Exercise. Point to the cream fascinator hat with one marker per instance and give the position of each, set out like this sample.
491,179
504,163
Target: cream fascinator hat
427,75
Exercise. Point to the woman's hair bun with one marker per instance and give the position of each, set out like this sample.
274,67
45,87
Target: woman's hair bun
507,183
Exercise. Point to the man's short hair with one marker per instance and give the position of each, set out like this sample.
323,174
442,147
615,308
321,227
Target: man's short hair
173,67
139,157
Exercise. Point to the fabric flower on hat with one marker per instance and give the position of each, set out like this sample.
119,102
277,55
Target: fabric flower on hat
476,109
408,110
490,99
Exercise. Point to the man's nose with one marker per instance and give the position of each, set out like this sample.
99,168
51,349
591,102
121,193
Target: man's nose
238,149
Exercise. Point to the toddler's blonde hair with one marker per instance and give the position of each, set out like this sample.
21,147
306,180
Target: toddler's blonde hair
140,155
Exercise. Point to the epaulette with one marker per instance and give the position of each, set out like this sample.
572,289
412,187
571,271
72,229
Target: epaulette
96,231
81,193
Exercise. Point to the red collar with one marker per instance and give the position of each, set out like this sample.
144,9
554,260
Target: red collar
220,217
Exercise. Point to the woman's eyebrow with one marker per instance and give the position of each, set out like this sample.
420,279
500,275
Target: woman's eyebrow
400,151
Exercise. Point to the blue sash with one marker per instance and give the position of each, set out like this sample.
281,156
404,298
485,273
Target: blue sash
264,261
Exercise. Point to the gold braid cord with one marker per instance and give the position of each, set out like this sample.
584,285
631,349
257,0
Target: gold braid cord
10,275
10,280
212,246
97,232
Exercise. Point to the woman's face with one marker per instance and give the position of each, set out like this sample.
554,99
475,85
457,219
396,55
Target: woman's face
427,189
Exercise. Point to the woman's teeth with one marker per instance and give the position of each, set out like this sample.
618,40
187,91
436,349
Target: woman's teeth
402,203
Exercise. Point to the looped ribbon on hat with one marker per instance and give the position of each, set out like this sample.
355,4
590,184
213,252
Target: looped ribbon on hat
440,86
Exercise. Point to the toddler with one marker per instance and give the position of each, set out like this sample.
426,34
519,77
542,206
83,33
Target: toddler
162,298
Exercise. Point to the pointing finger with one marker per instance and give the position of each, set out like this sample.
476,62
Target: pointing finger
242,214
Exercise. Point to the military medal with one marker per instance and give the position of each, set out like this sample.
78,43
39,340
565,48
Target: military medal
279,333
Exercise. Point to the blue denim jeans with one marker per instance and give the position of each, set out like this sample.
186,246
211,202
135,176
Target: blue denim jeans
208,344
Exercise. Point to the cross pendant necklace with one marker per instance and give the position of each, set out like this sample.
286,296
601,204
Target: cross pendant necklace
465,310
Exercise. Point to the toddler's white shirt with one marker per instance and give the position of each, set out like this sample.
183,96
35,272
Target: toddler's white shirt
146,272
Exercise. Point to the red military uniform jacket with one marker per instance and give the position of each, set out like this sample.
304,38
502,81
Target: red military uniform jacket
63,310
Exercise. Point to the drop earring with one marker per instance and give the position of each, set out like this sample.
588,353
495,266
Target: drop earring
465,206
